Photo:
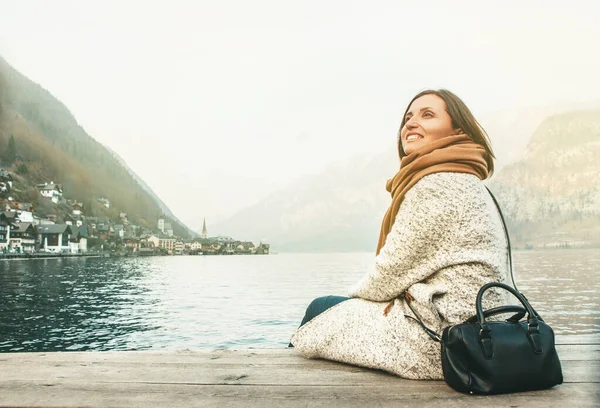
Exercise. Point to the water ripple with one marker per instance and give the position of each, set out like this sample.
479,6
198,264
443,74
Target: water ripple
193,303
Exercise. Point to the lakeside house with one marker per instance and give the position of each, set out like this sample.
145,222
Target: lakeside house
117,230
149,240
6,224
22,238
54,238
168,244
263,249
132,244
78,242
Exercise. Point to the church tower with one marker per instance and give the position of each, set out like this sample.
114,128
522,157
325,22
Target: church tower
204,233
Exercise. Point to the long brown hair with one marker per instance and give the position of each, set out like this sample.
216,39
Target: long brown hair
461,118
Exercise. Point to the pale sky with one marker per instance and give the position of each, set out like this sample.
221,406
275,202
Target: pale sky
215,104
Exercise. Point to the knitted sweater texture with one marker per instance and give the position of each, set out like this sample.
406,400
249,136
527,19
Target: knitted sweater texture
446,242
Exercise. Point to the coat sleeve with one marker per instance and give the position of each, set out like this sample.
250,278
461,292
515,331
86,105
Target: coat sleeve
422,231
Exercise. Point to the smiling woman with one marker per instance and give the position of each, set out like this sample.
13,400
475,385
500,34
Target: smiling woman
432,115
426,121
441,240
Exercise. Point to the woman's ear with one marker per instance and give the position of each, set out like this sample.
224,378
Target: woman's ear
458,131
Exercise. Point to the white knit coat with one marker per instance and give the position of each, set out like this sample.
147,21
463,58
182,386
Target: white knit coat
446,242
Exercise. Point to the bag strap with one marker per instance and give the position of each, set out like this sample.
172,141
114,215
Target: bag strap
432,333
510,263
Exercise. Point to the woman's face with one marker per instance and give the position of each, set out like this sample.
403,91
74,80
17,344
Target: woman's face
426,121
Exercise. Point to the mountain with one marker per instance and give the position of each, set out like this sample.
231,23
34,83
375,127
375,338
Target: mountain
161,205
511,129
339,209
551,196
52,146
551,187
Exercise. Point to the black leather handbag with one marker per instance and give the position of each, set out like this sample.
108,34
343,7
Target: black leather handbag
493,357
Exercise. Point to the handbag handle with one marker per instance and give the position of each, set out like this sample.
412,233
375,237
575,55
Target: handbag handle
520,312
485,337
478,307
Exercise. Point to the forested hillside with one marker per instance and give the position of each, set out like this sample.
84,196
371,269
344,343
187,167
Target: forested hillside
49,145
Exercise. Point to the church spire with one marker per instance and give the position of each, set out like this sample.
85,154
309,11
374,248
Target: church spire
204,233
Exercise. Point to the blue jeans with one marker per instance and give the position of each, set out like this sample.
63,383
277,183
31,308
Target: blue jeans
318,306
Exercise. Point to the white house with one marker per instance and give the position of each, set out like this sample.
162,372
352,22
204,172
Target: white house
168,244
25,216
6,178
52,191
77,208
150,238
104,202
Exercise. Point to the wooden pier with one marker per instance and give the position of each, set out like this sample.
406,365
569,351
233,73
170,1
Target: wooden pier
261,378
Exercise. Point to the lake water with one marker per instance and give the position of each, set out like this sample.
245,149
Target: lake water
199,302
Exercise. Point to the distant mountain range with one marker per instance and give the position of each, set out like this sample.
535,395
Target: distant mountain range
550,192
337,210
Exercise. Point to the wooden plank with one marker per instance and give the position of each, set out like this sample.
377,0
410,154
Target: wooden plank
578,339
258,377
315,372
569,352
415,394
274,357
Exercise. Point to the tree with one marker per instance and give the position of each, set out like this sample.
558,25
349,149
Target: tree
32,195
11,150
22,168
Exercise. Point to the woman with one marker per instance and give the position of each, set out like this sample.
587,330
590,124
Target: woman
441,240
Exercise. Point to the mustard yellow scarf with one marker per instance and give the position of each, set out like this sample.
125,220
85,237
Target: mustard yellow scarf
455,154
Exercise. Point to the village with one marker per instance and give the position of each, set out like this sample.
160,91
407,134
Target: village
25,233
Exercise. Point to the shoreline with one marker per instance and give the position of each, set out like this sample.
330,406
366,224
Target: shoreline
29,256
9,257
